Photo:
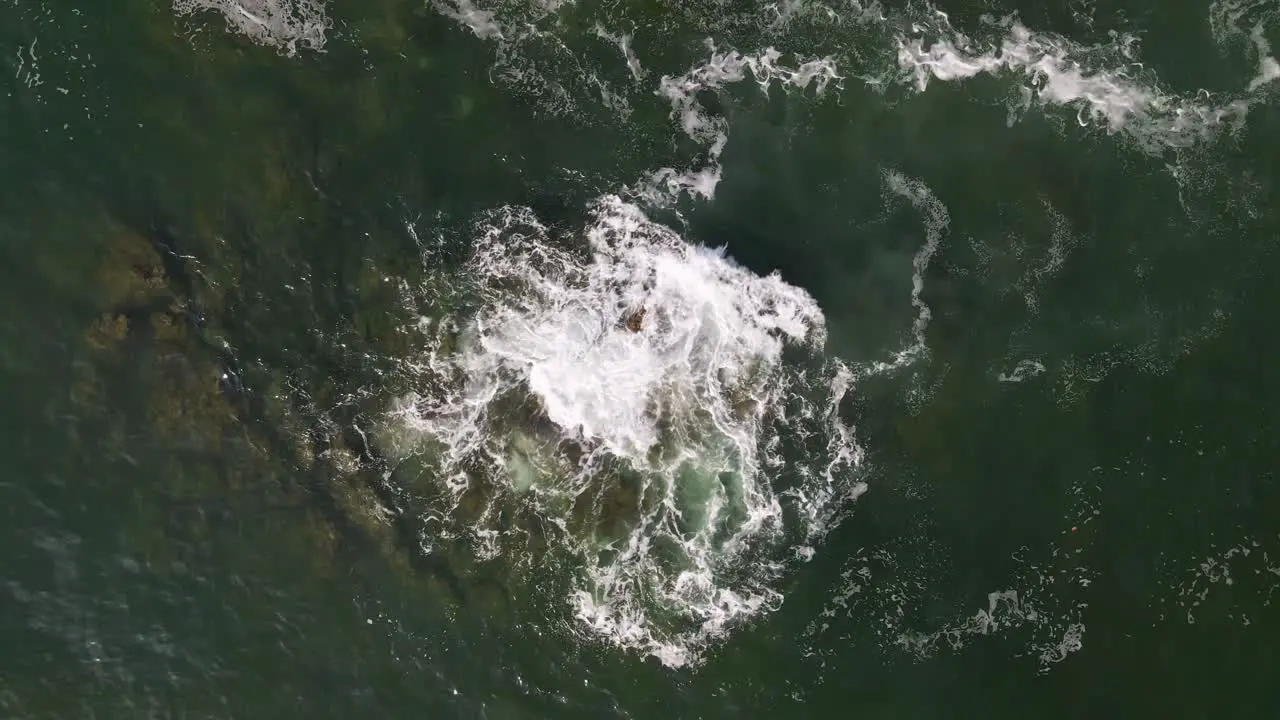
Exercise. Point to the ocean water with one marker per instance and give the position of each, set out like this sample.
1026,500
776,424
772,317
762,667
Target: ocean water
704,359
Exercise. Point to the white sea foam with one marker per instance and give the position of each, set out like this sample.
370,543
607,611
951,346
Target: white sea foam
481,22
1061,242
678,429
1104,84
1023,370
1268,68
282,24
1060,72
532,57
936,221
1006,611
655,442
1232,22
883,594
711,131
1244,23
623,43
780,14
1246,569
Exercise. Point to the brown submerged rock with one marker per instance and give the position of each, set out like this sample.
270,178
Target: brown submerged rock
242,439
108,330
131,274
170,326
635,321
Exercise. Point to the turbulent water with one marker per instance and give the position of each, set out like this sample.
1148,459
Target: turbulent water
635,393
678,424
701,333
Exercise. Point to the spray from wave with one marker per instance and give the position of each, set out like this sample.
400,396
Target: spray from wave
668,416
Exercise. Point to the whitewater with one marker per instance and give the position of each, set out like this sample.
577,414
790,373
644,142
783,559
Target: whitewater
674,417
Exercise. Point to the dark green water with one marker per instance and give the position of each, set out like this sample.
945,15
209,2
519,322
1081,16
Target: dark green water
217,254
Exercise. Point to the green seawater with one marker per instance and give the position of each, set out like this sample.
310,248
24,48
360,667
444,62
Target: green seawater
217,252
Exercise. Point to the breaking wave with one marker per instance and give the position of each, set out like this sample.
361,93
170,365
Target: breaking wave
668,416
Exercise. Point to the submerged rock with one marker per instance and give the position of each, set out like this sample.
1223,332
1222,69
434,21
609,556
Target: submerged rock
131,274
108,330
160,368
635,321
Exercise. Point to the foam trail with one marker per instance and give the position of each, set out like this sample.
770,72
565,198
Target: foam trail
481,22
532,57
1268,68
1104,84
1061,242
937,220
1233,21
711,131
1111,98
282,24
634,393
1023,370
623,43
884,593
